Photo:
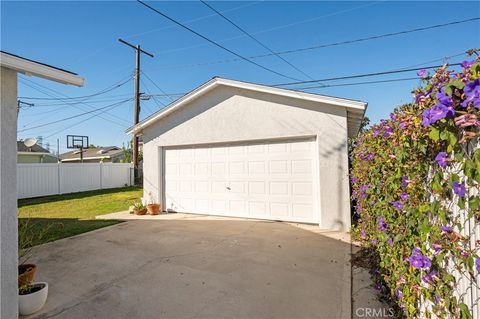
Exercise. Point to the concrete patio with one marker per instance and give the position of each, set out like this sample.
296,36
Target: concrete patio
187,266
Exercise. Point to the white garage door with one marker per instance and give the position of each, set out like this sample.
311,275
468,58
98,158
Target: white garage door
266,180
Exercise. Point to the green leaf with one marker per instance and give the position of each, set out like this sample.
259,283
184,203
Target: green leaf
474,202
434,134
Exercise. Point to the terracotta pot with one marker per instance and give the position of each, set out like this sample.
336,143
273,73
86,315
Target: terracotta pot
26,274
139,211
153,209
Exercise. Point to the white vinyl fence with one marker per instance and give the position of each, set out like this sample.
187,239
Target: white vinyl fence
35,180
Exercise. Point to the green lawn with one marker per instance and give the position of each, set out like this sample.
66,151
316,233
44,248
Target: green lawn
54,217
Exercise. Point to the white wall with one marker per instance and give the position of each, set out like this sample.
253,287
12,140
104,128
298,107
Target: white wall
49,179
8,195
227,115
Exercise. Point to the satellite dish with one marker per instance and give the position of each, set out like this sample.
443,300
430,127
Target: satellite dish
29,142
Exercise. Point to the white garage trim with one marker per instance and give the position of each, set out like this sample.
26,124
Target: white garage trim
273,179
356,109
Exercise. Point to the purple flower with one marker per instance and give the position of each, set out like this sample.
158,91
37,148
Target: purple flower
477,264
404,196
374,242
441,159
399,293
444,98
436,113
405,181
368,157
397,205
472,93
459,189
467,64
354,180
437,247
423,73
401,280
390,241
388,131
423,95
382,224
430,277
378,286
392,116
418,260
372,202
374,271
363,233
376,132
403,125
447,229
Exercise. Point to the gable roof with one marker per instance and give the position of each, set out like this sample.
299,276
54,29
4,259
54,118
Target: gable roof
31,67
35,149
92,153
355,109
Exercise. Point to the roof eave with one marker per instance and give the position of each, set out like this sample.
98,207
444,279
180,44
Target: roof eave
353,105
29,68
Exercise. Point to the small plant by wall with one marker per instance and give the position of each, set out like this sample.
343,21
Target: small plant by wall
415,180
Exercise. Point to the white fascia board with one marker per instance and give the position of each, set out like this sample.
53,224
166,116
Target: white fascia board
294,94
32,68
349,104
85,158
34,153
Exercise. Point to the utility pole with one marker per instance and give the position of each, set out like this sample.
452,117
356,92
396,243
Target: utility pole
136,108
21,104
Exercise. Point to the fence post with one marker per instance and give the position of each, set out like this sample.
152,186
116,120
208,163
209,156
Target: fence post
101,175
58,178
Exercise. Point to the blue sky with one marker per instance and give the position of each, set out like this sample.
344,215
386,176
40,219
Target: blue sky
82,37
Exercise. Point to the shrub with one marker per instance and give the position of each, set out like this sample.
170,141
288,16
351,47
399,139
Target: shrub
411,175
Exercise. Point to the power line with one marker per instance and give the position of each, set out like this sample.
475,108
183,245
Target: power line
215,43
363,75
87,119
110,99
155,84
106,90
283,26
320,46
255,39
355,83
73,116
67,102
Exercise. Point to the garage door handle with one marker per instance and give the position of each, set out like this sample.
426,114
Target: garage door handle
228,188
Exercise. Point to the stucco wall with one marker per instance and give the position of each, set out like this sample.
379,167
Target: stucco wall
8,193
227,114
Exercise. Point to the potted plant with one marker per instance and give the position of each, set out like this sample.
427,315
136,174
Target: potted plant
31,297
139,208
152,207
26,272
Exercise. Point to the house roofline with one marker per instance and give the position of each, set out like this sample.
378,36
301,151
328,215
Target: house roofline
31,67
357,107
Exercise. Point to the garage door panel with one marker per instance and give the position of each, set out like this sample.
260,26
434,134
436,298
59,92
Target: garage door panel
269,180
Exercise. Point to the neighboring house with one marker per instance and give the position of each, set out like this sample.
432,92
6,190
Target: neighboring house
34,154
10,66
245,150
110,154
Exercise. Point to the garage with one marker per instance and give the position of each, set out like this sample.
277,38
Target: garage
238,149
266,180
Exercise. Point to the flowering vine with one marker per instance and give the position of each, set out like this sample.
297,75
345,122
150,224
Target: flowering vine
413,176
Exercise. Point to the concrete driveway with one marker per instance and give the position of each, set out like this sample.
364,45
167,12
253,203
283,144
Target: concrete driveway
197,267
